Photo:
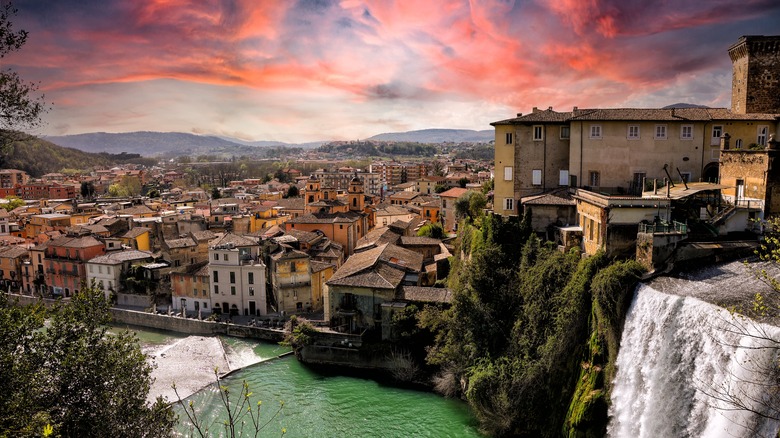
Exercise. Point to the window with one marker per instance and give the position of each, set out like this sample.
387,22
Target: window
216,289
633,132
216,276
594,178
536,177
216,256
538,133
686,132
717,131
100,269
195,292
660,132
686,176
251,278
232,290
509,204
108,269
292,267
595,131
761,138
565,133
738,144
508,138
508,173
563,178
251,291
224,257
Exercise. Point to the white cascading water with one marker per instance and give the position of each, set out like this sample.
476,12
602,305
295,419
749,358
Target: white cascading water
680,362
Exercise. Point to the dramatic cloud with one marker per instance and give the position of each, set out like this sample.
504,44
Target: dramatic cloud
318,69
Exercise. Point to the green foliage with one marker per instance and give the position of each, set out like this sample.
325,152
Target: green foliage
380,148
433,230
73,375
38,157
13,202
87,189
470,205
293,191
523,332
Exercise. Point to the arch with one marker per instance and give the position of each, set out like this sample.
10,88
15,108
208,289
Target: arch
711,172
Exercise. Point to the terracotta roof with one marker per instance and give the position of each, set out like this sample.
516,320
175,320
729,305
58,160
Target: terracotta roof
75,242
291,203
404,195
304,236
204,235
548,116
455,192
138,209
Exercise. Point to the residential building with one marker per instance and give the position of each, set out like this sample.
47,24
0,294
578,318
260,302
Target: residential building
190,290
11,258
107,270
237,276
290,272
448,198
65,261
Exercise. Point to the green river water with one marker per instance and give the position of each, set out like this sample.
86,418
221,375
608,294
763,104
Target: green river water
325,405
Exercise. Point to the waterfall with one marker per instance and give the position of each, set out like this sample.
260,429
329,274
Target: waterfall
682,361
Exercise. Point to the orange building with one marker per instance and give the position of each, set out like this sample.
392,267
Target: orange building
65,262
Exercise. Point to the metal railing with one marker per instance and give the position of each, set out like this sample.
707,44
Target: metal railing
664,227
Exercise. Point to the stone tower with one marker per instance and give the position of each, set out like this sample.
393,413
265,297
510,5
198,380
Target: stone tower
356,196
755,81
313,192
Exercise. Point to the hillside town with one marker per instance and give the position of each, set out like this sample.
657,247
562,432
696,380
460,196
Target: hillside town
349,246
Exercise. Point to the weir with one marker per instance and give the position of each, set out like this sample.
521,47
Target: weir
687,368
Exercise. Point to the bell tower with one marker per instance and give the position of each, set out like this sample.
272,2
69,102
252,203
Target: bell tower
356,198
755,80
313,190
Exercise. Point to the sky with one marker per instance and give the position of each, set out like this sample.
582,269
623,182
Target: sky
310,70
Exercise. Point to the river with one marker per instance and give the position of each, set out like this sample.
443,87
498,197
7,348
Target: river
314,404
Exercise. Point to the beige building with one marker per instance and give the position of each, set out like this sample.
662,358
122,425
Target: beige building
237,276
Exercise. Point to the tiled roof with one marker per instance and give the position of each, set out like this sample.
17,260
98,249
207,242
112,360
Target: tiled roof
317,266
233,239
424,294
75,242
382,267
454,192
184,242
135,232
419,240
138,209
636,114
116,257
204,235
304,236
376,237
558,197
291,203
12,252
326,218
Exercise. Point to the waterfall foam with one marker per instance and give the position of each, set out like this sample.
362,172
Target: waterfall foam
683,364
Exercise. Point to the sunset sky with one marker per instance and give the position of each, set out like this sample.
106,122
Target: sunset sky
324,70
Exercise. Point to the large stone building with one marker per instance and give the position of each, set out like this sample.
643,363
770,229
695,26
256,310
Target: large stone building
620,151
237,276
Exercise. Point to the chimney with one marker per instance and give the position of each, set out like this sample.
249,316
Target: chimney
535,110
519,114
724,141
549,108
575,109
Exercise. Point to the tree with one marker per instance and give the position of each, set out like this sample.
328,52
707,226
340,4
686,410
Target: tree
215,194
439,188
434,230
13,202
87,189
470,205
293,191
63,372
20,108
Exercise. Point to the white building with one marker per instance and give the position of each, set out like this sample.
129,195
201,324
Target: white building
106,270
237,276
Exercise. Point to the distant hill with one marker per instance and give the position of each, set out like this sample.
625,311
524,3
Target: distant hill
150,143
438,136
684,105
38,157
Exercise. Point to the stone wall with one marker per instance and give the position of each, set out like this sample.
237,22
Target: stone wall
134,300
